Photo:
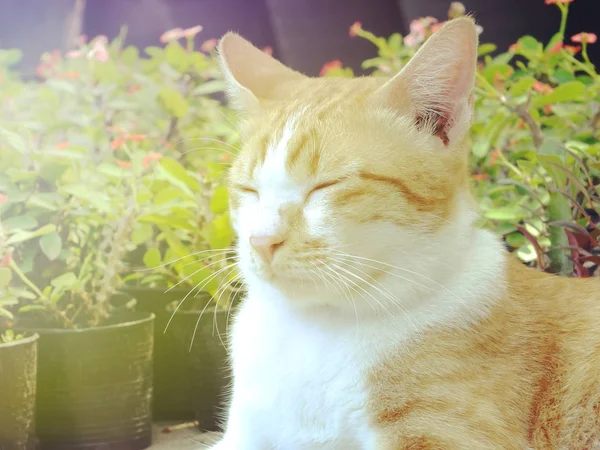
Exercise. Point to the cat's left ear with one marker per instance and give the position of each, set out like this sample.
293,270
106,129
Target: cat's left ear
251,75
436,86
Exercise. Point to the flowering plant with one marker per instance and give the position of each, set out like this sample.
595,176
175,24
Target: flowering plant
112,162
535,139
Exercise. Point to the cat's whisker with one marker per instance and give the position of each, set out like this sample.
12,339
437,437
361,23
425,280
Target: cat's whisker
183,257
214,255
223,289
404,270
203,283
236,149
384,291
345,294
353,285
202,313
199,270
195,149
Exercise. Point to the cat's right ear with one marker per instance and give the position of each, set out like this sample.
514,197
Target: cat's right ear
251,75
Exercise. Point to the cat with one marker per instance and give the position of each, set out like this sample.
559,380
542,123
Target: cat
378,315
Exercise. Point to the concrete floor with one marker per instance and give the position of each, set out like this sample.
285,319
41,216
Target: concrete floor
184,439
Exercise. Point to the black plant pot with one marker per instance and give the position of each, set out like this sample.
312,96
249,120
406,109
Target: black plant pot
189,384
18,368
94,388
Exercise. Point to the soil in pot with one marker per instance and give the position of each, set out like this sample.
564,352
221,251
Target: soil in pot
18,368
94,388
188,383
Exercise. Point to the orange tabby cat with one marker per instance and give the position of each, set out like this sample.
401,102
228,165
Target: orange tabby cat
378,316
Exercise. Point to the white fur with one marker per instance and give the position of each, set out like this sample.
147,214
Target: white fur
301,356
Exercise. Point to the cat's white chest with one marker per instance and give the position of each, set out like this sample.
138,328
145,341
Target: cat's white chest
297,385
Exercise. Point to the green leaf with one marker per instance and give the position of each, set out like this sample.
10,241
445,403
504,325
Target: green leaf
570,91
563,76
20,223
6,313
508,213
155,52
51,245
5,276
220,200
484,49
522,86
173,101
219,232
210,87
26,235
553,41
29,308
142,232
152,258
179,172
177,57
502,70
64,281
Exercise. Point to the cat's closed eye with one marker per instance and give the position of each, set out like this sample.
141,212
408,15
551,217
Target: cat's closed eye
322,186
246,189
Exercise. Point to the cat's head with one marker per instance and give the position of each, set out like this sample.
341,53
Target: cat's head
341,182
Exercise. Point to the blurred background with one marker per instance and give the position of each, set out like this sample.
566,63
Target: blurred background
302,33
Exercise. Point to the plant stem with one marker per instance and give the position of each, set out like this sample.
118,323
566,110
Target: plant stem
564,13
559,210
41,295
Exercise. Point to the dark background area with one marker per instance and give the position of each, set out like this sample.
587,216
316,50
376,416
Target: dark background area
303,33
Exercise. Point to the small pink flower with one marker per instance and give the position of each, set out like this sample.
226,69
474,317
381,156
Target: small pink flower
82,40
355,28
436,26
328,66
99,51
208,46
3,199
116,143
384,68
418,30
6,259
124,164
151,157
268,50
172,35
514,47
574,49
585,38
44,70
193,31
555,2
63,145
73,54
136,137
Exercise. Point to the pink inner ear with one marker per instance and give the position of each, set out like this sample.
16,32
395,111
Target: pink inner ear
441,124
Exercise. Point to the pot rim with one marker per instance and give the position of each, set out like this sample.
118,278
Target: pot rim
148,317
26,340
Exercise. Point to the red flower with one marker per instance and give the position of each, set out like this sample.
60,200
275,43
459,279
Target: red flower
172,35
480,176
328,66
134,88
6,259
542,87
209,45
135,137
574,49
3,198
191,32
70,75
268,50
555,2
63,145
494,157
115,144
585,38
355,29
556,48
151,157
548,109
123,164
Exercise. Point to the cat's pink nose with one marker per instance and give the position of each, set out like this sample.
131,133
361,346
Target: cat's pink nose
266,246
